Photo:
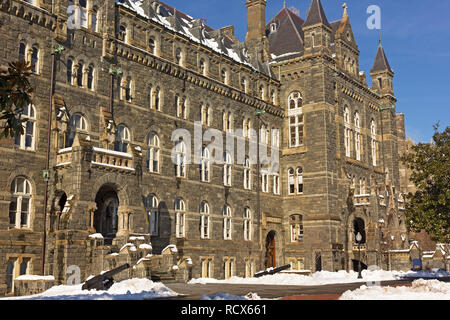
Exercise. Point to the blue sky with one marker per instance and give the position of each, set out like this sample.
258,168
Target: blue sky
415,36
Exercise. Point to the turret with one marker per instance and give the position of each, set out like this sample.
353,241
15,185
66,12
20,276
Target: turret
256,39
382,74
317,29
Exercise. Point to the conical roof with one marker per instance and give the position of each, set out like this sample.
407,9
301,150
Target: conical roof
381,62
316,14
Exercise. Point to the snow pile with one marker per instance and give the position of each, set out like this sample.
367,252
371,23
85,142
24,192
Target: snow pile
132,289
420,290
318,278
427,275
227,296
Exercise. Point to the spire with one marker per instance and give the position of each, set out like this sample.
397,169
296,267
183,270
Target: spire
345,6
316,14
381,62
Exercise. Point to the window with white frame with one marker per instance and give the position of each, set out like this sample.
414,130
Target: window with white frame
180,218
295,115
247,174
246,127
275,138
207,267
296,223
82,4
357,137
93,19
244,84
347,132
206,115
227,227
227,121
264,133
291,181
202,66
249,268
153,152
181,107
155,98
205,219
227,167
180,159
247,224
264,181
26,141
152,205
205,165
276,184
123,139
20,205
299,180
373,143
229,266
77,123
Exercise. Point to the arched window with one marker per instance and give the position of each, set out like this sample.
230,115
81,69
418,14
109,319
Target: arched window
70,71
262,92
359,227
246,128
20,205
244,84
264,181
276,184
227,121
227,226
273,97
22,52
180,159
228,163
347,131
296,223
373,142
152,206
204,220
90,77
291,181
79,75
202,67
247,174
178,56
206,115
35,60
122,139
181,107
151,45
26,141
123,33
128,85
264,134
275,138
157,99
205,165
83,13
180,218
77,123
247,224
295,115
299,180
153,153
224,76
94,19
357,137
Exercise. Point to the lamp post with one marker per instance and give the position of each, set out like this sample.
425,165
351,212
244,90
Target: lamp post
359,238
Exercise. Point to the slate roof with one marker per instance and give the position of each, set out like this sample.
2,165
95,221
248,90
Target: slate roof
316,14
381,62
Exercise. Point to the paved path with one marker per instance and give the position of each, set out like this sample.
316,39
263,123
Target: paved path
195,291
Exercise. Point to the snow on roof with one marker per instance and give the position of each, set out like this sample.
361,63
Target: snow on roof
134,238
96,236
30,277
145,246
132,247
185,29
172,248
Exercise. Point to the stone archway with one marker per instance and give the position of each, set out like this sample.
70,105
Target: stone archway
106,215
270,258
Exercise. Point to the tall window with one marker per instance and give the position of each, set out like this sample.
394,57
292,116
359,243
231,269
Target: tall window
180,218
227,222
246,128
276,184
247,174
22,52
123,33
77,123
227,121
264,181
347,131
20,205
122,139
262,92
228,163
206,115
207,267
128,84
291,181
79,75
151,45
295,114
90,77
83,13
152,204
224,76
204,220
181,107
296,223
373,142
180,159
202,67
247,224
153,153
357,137
205,165
300,180
178,56
244,84
275,138
94,20
264,133
69,71
26,141
35,60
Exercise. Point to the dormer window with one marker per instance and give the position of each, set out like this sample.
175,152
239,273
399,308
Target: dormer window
273,27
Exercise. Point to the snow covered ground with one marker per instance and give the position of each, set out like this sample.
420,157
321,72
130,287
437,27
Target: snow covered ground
132,289
322,278
420,290
228,296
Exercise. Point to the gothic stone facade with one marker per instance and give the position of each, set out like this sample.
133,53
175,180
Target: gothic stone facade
115,195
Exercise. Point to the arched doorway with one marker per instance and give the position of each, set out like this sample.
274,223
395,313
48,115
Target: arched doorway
270,259
106,218
359,227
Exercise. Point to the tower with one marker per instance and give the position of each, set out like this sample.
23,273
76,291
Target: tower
382,74
317,29
256,39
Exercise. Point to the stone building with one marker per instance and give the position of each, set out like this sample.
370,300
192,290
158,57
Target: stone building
130,74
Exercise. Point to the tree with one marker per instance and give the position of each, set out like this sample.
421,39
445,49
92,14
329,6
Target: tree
15,95
429,207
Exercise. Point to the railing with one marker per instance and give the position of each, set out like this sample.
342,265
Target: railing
356,248
64,157
112,159
362,200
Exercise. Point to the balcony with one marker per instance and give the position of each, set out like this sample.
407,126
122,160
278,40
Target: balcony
64,158
362,200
